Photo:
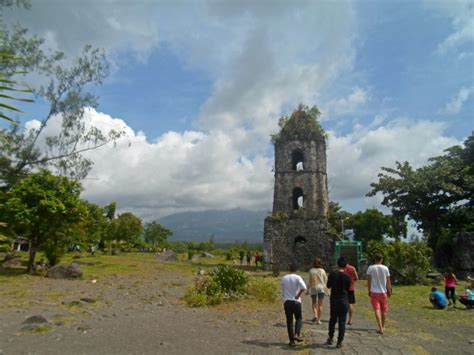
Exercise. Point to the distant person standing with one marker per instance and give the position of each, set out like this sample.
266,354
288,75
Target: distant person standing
249,257
380,289
438,299
339,282
241,256
317,289
351,270
292,287
450,282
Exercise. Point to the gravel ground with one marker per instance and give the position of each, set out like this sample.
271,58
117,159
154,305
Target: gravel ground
132,315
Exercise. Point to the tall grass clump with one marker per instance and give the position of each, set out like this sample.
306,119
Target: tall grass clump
263,290
223,283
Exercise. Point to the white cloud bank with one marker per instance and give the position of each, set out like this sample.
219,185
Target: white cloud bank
197,171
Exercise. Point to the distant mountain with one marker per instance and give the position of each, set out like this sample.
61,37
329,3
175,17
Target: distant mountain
226,226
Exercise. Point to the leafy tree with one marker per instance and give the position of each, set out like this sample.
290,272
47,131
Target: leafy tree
438,197
93,226
369,225
125,228
44,208
67,98
155,234
336,218
408,260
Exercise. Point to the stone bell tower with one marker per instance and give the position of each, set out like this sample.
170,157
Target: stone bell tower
297,229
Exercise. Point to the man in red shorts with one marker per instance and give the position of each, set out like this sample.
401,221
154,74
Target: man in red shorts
380,289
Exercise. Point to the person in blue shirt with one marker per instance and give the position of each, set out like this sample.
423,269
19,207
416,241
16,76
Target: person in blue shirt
467,298
438,299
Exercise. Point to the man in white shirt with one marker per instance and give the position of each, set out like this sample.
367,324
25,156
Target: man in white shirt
293,286
380,289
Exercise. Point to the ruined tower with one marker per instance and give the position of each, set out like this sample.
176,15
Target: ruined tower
296,231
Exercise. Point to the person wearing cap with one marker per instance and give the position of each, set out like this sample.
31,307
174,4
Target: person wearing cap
339,282
438,299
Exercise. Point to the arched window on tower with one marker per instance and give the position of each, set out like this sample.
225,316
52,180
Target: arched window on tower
298,201
297,160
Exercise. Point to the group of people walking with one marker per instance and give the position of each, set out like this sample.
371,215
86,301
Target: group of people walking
340,286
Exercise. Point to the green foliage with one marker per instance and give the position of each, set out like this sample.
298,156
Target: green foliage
204,291
301,125
263,289
156,235
64,92
230,280
369,225
410,260
9,87
438,197
45,209
337,218
126,228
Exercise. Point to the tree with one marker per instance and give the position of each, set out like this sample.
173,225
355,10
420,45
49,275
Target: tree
44,208
337,218
93,226
125,228
408,260
67,98
370,225
438,197
156,235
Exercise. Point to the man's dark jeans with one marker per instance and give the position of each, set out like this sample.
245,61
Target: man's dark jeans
293,309
338,314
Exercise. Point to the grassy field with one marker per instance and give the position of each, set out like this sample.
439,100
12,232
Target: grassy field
406,300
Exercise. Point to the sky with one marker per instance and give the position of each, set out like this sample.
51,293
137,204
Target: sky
199,87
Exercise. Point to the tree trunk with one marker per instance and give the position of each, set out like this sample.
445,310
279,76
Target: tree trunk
31,261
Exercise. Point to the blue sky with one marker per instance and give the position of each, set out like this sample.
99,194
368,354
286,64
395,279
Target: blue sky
200,86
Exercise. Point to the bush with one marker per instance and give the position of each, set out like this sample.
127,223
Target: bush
409,260
203,292
230,280
229,255
264,290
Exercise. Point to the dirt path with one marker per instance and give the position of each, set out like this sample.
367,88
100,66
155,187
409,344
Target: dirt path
130,315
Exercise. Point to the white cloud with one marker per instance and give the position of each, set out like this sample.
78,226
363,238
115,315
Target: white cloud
177,172
461,12
197,171
345,105
455,105
354,160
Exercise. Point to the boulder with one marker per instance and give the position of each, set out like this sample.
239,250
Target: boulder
11,261
167,255
64,272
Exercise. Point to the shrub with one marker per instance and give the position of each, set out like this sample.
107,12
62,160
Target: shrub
230,280
194,298
203,292
263,290
229,255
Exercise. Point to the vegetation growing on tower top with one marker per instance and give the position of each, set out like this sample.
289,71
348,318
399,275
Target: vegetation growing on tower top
301,125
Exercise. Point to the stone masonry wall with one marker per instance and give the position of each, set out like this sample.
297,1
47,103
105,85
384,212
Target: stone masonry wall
296,240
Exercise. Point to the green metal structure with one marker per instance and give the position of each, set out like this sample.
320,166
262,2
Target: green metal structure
351,249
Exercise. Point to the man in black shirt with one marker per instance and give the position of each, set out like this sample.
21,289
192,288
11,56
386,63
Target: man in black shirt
339,282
